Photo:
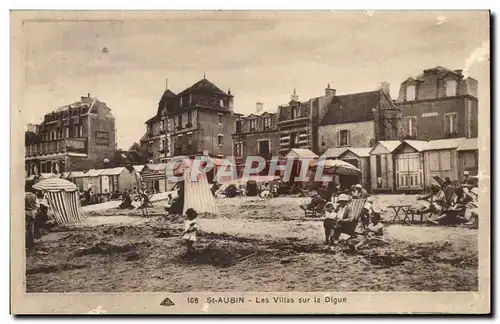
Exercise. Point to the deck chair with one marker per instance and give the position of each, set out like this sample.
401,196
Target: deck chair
357,206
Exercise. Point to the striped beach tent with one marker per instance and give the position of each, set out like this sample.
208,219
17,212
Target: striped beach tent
197,193
63,199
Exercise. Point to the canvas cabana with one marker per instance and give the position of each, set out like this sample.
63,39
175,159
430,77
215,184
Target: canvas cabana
77,177
117,179
63,199
91,179
410,165
468,156
155,177
441,160
382,166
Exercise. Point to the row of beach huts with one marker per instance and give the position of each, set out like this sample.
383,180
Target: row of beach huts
389,166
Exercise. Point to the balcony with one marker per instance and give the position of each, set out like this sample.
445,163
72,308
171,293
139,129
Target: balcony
66,145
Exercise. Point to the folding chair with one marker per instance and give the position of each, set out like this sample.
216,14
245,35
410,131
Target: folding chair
357,206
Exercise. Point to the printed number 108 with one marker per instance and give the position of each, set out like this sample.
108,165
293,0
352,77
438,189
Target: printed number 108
192,300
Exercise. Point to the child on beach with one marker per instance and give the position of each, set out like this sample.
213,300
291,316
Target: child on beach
329,221
191,227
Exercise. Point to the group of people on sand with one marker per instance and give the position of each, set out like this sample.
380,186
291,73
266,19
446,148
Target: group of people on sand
458,207
339,216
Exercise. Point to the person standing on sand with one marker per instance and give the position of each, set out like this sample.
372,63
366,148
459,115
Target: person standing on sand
30,209
191,227
329,221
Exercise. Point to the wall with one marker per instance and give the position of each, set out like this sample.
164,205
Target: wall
209,128
361,134
433,127
105,122
251,146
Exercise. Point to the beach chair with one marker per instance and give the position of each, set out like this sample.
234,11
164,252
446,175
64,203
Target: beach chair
357,206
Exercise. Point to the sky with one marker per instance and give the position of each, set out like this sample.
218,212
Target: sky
259,56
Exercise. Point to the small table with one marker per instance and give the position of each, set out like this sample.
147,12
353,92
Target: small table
401,208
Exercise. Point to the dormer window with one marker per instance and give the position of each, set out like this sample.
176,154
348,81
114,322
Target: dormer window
295,112
410,93
267,122
253,123
451,88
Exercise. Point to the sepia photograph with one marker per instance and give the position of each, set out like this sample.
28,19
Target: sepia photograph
250,162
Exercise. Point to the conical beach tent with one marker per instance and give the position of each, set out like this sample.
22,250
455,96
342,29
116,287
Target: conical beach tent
197,193
63,199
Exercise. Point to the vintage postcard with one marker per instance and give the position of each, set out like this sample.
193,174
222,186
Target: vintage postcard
250,162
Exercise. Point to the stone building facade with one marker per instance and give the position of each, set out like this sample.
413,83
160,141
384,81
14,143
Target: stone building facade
197,121
255,135
359,120
75,137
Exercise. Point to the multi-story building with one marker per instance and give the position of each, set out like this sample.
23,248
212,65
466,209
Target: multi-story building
255,135
156,142
298,121
197,121
437,104
359,120
74,137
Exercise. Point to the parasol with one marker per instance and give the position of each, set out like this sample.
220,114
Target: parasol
338,167
54,185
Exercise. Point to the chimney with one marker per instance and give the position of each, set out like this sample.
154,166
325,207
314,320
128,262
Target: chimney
259,106
386,88
230,100
294,96
329,91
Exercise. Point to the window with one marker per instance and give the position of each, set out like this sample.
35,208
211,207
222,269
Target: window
219,118
411,126
451,88
80,131
294,139
178,142
343,138
264,146
410,93
179,121
451,125
162,145
189,118
238,149
253,123
267,123
220,139
66,132
190,138
221,103
190,98
181,101
295,112
238,126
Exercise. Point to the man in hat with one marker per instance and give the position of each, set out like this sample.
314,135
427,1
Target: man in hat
359,192
345,217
